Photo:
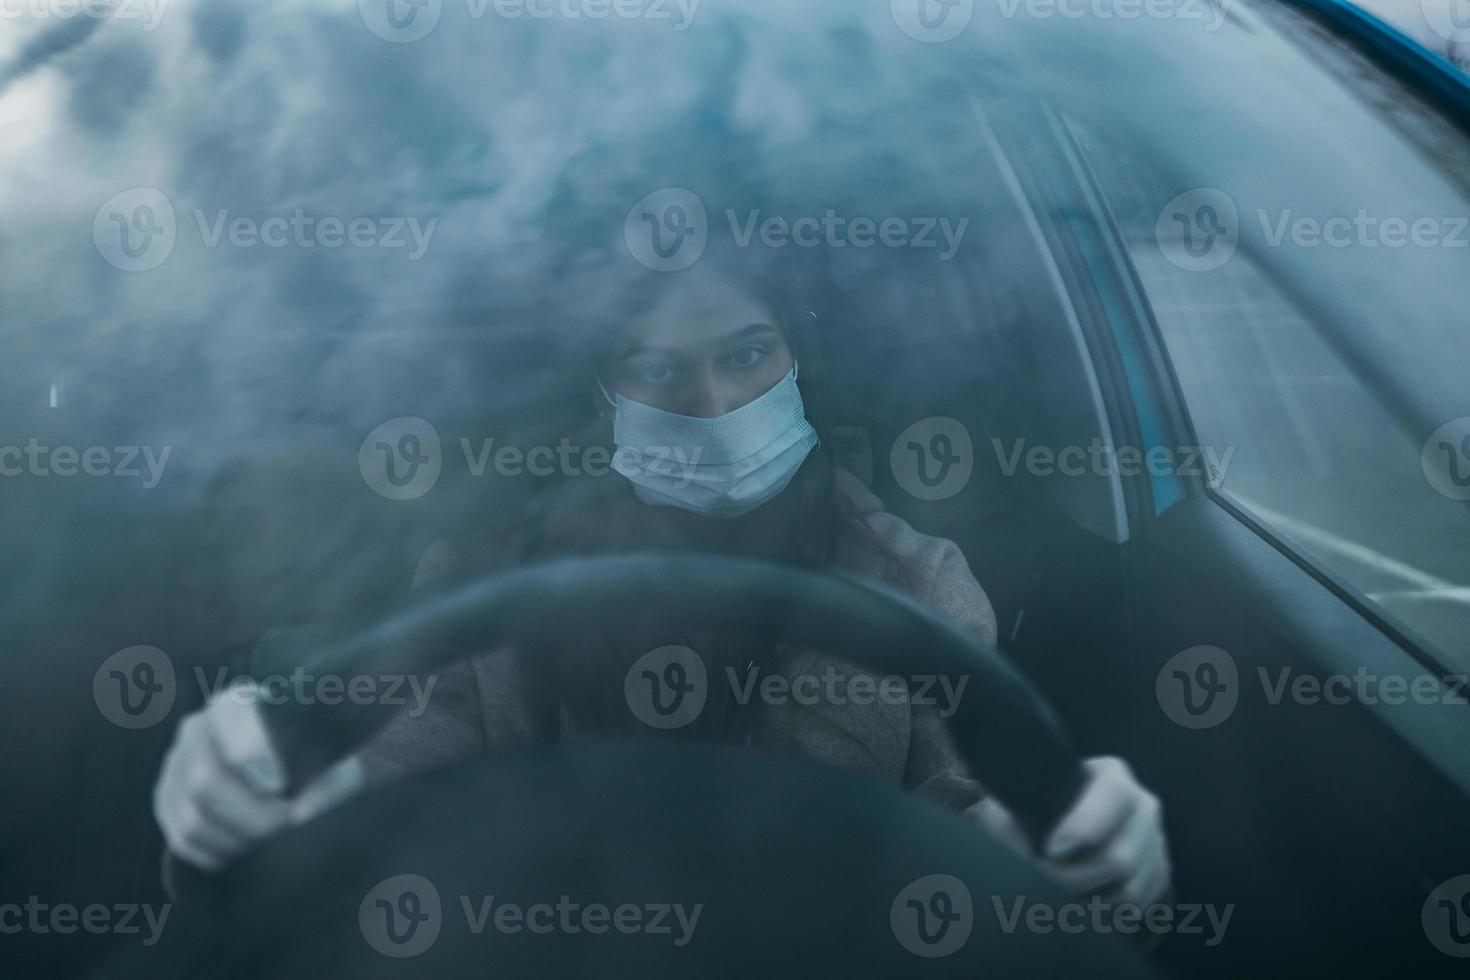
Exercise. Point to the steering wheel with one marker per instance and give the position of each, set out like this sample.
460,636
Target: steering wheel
799,869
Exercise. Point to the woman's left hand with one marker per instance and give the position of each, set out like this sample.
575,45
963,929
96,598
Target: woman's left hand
1111,843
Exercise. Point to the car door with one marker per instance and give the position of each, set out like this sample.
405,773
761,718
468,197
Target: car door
1294,678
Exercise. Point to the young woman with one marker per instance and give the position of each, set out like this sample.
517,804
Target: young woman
711,395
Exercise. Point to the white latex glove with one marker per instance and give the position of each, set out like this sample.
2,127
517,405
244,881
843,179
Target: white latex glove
1111,843
221,786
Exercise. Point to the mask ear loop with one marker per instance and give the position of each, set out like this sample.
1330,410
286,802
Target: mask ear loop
598,378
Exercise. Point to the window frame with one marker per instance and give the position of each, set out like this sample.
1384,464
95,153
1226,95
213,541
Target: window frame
1149,337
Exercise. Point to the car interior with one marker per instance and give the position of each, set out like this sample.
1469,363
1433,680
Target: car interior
1323,828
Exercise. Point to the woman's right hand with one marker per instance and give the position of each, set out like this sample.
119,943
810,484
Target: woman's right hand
222,785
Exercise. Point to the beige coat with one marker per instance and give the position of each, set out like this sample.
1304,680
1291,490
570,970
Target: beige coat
479,704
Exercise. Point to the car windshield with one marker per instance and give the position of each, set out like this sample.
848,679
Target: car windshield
244,250
318,311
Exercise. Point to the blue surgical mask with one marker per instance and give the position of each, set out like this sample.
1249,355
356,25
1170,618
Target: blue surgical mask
720,467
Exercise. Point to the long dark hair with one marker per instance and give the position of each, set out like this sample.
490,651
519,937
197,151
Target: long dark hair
594,284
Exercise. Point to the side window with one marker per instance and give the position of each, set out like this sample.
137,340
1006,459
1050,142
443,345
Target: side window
1292,434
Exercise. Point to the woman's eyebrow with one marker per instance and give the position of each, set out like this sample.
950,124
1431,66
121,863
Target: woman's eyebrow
639,350
749,330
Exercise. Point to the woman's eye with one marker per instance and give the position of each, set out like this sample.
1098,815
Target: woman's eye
747,356
655,374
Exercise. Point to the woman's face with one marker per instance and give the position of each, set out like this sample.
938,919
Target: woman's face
704,349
